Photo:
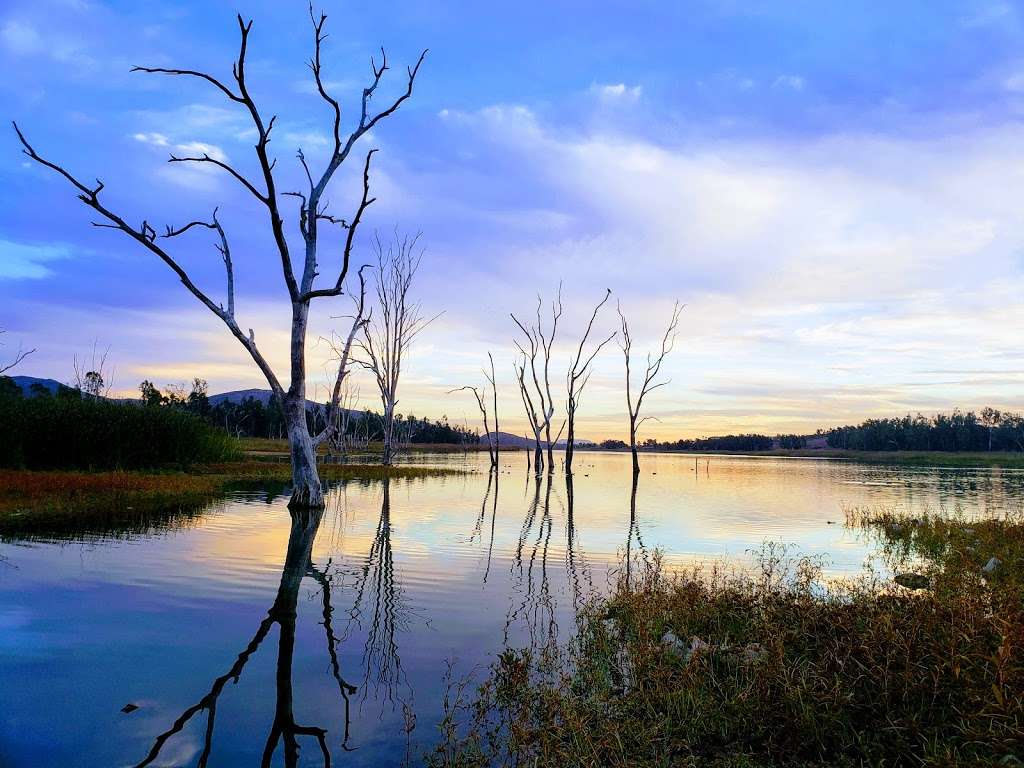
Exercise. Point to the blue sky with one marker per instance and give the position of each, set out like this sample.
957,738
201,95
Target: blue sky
833,189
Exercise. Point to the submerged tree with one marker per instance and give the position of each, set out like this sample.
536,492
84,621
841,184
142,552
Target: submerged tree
649,383
532,418
576,379
481,401
302,289
386,336
539,344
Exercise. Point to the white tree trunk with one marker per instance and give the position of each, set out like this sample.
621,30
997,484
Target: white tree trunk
306,489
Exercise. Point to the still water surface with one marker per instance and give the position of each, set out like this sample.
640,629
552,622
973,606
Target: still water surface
245,627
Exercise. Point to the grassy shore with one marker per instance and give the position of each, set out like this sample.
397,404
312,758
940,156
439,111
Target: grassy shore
776,667
38,501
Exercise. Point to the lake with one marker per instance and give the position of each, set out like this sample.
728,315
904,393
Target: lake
244,626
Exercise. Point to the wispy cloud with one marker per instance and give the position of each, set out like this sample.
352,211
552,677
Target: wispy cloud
30,260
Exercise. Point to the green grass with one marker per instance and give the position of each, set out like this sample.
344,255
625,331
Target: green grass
774,667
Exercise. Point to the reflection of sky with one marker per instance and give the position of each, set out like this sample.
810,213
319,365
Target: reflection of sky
810,179
86,627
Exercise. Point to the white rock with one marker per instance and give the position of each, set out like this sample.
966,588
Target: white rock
991,566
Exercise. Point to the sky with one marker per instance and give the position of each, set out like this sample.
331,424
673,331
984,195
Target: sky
835,191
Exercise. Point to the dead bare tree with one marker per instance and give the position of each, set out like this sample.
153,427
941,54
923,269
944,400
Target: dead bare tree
399,320
20,355
344,353
481,401
306,488
537,343
536,424
576,380
650,374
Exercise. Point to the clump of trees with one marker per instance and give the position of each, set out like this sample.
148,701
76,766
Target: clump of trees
991,430
73,430
251,417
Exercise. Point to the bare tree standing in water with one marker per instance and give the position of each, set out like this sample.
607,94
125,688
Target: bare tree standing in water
481,402
540,344
398,321
306,488
535,422
650,374
576,379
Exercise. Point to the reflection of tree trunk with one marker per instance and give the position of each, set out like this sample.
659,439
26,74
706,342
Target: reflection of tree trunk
380,653
494,517
634,529
304,525
297,564
536,604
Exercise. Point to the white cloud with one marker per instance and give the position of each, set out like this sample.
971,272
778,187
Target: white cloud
199,148
617,92
29,261
156,139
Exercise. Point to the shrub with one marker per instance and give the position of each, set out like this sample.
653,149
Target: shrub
91,433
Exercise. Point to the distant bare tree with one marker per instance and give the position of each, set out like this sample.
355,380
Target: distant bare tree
92,377
398,321
650,374
20,355
306,487
481,401
576,379
539,344
348,401
331,429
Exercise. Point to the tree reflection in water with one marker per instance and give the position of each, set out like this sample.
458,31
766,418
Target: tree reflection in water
376,585
634,532
532,580
379,589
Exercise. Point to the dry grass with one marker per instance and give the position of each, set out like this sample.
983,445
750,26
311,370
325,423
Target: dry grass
774,668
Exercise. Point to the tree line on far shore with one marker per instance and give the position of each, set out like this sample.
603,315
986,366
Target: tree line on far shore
989,430
747,442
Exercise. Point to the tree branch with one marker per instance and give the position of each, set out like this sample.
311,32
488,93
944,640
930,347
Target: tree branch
146,236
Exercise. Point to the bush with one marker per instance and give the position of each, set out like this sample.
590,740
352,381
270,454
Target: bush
774,668
88,433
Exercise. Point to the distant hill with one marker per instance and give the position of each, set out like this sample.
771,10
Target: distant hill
238,395
508,440
26,382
